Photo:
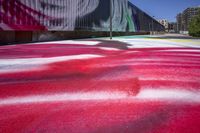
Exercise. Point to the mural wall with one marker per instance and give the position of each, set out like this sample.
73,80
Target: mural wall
70,15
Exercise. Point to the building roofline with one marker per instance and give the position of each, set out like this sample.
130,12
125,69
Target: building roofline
142,11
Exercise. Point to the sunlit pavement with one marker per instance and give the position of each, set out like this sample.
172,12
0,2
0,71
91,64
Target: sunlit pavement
132,84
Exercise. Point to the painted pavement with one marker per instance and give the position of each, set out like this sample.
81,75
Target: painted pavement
131,85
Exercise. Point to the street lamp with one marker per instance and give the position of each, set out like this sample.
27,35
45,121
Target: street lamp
177,26
153,25
111,19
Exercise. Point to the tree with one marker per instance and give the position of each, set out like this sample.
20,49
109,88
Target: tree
194,26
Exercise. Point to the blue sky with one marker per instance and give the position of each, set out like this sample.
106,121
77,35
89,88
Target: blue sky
162,9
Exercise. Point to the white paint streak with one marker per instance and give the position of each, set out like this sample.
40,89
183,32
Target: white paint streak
181,50
41,61
79,96
109,49
27,64
180,96
69,42
169,95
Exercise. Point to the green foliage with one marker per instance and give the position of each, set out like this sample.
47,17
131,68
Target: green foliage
194,26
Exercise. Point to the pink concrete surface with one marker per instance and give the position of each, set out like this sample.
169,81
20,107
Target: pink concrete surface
103,88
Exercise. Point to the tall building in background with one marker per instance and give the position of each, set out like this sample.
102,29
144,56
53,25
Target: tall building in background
184,18
165,23
179,22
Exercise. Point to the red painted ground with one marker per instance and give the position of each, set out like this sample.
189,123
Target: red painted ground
124,90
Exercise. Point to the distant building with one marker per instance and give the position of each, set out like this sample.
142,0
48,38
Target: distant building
179,22
184,18
165,23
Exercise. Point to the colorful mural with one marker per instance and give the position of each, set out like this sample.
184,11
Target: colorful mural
128,85
70,15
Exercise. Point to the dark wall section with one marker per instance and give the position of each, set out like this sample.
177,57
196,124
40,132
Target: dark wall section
92,21
143,21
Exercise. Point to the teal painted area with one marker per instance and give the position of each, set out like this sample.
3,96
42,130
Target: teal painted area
130,23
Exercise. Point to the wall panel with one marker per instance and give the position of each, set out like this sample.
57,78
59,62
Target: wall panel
70,15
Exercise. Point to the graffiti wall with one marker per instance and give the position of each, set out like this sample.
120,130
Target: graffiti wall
70,15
